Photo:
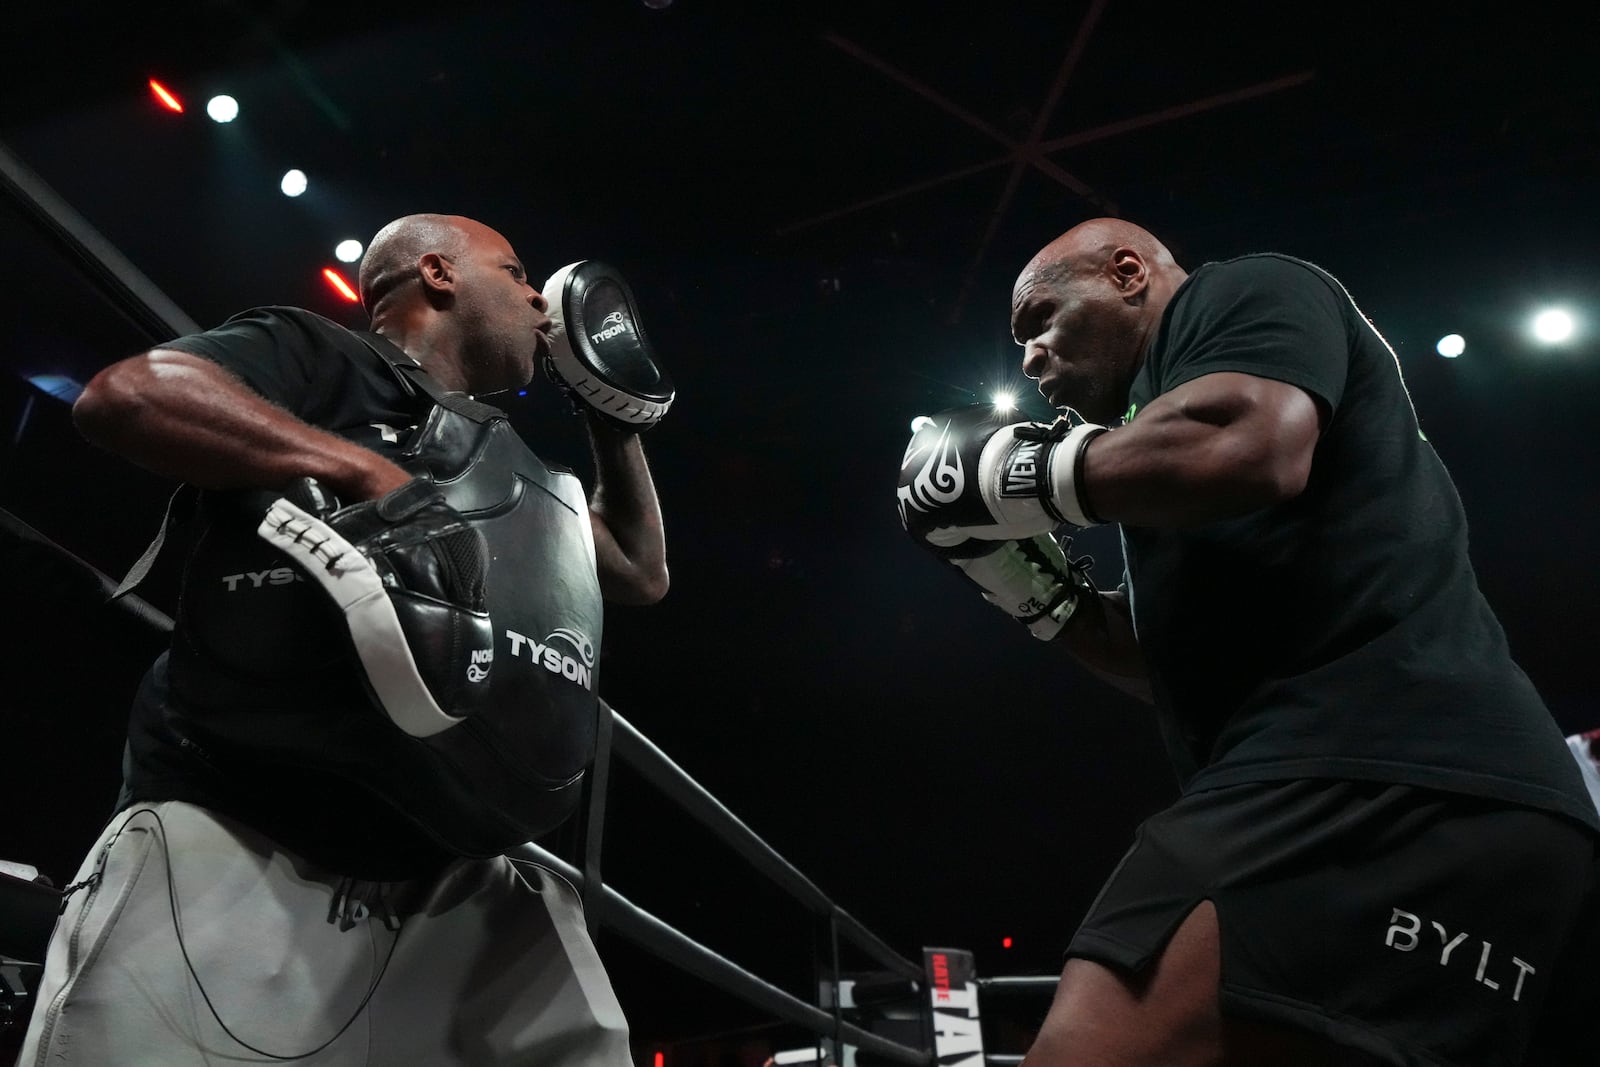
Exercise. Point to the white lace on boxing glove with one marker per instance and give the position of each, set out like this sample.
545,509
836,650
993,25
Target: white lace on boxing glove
1031,580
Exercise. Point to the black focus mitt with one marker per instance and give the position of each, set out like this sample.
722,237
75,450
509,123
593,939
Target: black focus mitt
409,574
598,350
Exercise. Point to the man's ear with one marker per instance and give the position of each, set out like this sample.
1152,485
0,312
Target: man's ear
1129,272
438,274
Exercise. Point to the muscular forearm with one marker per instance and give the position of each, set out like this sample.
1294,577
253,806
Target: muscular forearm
630,543
1100,636
184,417
1217,447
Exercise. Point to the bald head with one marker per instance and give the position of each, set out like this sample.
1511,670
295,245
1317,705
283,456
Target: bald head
1085,309
1090,245
391,259
453,295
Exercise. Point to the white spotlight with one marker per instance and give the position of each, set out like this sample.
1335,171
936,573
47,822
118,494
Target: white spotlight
1004,401
1552,326
919,422
348,251
1451,345
222,108
294,183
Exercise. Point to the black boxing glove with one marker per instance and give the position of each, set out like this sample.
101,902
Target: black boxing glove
969,476
409,573
598,351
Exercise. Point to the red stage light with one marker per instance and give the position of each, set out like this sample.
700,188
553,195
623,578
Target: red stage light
1005,942
661,1059
163,94
341,286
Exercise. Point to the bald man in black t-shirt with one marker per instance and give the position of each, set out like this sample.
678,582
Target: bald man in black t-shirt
274,886
1370,784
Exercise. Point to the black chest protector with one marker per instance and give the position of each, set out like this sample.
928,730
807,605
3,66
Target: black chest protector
262,670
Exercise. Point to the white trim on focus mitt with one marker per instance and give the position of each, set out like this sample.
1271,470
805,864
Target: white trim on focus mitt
409,579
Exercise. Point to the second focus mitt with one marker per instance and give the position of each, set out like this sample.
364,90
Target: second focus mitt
409,574
598,350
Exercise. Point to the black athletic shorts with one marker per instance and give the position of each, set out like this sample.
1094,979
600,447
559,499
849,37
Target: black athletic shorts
1419,927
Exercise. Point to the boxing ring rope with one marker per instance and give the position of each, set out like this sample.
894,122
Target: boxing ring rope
1022,983
659,769
647,931
108,270
157,317
1043,985
137,606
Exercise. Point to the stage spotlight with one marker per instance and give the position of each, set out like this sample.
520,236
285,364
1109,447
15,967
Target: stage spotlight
919,422
340,286
163,94
1005,402
1451,345
222,108
348,251
1552,326
294,183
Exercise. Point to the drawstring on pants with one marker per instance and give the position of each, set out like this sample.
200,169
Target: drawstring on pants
354,900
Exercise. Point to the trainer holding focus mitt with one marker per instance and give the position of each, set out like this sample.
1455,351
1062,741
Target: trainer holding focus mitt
1382,852
382,676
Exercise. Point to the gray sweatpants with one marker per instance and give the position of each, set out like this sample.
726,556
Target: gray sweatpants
487,967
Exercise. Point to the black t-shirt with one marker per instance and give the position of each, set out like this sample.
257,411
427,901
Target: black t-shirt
290,648
1340,634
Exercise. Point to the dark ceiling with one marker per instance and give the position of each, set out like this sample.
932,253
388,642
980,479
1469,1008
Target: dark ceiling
822,207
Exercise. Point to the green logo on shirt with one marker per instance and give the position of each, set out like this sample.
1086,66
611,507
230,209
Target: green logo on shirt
1132,410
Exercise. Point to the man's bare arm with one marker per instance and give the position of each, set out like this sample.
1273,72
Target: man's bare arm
1100,636
185,417
1216,447
629,540
1219,446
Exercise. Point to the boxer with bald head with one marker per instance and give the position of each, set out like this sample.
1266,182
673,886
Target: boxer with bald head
1381,852
299,868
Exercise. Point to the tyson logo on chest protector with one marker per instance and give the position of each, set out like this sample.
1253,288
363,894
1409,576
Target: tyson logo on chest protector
564,651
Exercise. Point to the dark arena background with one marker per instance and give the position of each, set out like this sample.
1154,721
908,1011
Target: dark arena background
822,208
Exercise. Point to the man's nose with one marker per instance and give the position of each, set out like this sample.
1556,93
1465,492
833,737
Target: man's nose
1033,360
537,299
